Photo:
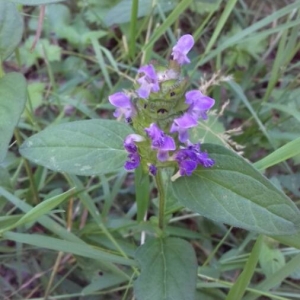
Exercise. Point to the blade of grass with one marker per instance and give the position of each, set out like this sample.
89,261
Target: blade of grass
247,31
222,20
101,61
173,16
41,209
292,266
68,247
133,22
285,152
238,289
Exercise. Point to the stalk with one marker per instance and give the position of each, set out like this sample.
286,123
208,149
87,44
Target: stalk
161,199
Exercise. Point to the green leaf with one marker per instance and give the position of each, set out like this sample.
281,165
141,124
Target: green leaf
66,246
36,2
86,147
43,208
11,28
270,259
12,103
238,289
287,151
168,270
235,193
121,13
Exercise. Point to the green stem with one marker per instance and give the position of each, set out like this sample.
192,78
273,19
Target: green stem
2,73
161,198
28,170
133,25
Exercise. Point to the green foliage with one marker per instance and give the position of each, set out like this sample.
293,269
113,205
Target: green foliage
11,28
233,192
170,266
12,103
97,235
83,147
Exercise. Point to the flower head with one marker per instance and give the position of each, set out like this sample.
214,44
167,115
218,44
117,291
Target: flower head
123,104
182,48
181,125
148,82
199,104
160,142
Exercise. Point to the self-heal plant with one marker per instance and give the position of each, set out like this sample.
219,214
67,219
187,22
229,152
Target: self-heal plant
162,113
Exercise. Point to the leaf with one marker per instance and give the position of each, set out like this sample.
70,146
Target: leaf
168,270
238,289
287,151
235,193
270,260
86,147
66,246
121,13
11,28
12,103
36,2
43,208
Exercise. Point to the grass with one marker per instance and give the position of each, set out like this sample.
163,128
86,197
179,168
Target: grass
81,244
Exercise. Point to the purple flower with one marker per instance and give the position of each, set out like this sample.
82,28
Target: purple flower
148,82
123,104
129,142
160,142
199,104
133,157
182,48
133,161
152,170
190,157
181,125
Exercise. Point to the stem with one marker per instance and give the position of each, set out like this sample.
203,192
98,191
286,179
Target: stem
161,198
28,170
2,73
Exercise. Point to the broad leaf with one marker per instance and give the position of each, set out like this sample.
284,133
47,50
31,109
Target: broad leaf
168,270
12,103
86,147
11,28
235,193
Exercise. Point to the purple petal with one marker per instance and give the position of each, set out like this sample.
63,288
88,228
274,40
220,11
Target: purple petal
129,142
181,125
181,49
198,100
152,170
149,72
187,168
168,144
154,132
205,160
199,104
119,100
148,82
190,157
162,155
133,161
144,91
